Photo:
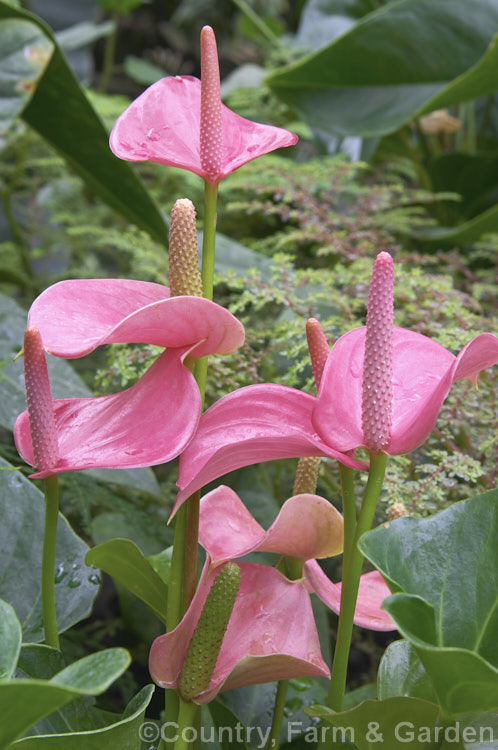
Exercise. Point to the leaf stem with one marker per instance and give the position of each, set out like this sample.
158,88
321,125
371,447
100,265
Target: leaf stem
48,562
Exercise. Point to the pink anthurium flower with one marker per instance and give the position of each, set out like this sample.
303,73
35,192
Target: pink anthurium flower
307,527
265,422
152,421
180,121
271,635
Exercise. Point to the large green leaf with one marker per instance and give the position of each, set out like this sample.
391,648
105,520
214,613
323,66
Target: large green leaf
24,702
463,681
124,562
22,509
388,724
41,662
120,735
10,640
60,112
402,673
403,60
447,567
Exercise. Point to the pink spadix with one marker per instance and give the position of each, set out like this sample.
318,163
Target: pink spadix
40,402
377,392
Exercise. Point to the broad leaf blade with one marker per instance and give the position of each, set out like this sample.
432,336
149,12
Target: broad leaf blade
404,59
402,673
120,735
383,722
124,562
22,509
448,568
24,702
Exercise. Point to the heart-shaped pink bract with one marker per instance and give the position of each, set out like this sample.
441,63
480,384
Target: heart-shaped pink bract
266,422
271,635
163,125
153,421
307,527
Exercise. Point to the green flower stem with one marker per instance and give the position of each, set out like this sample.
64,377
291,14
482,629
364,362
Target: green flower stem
295,568
48,562
174,609
351,581
278,715
348,511
187,720
190,577
209,237
183,578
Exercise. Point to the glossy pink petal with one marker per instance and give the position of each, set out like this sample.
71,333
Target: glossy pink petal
372,592
423,372
75,317
271,635
149,423
307,526
163,125
253,424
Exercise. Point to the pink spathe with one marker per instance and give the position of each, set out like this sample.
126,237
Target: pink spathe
152,421
163,125
268,422
271,635
307,527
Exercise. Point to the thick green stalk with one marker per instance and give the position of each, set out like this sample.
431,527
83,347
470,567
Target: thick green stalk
48,562
187,723
351,581
278,715
209,237
348,511
184,560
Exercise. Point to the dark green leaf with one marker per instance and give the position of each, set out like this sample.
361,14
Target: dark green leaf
124,562
403,60
447,566
24,702
120,735
60,112
22,509
402,673
382,723
10,640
